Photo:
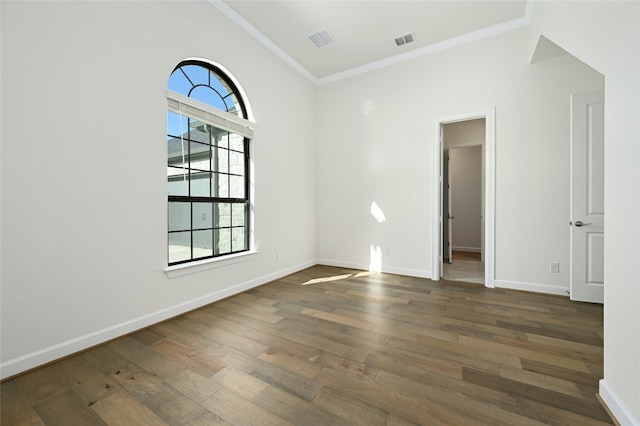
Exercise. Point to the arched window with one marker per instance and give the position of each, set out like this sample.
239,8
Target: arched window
208,136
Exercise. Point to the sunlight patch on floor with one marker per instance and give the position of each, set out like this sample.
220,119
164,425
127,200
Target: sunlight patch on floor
365,274
327,279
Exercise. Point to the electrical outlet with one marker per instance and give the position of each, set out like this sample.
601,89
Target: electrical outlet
554,267
279,256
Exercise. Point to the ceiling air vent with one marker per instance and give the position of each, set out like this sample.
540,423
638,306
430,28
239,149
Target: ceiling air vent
405,39
321,38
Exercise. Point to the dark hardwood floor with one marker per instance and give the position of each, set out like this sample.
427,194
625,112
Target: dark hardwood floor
466,255
331,346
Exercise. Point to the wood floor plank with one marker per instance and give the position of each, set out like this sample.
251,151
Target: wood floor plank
585,356
88,382
577,377
42,384
456,410
296,410
295,384
541,380
502,349
336,346
353,410
237,342
339,319
173,406
554,399
240,382
155,362
233,358
193,385
239,411
120,410
250,312
413,409
209,419
67,408
15,409
273,340
565,344
193,359
326,345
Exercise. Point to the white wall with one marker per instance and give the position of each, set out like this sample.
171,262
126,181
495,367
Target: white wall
375,137
606,35
466,197
84,169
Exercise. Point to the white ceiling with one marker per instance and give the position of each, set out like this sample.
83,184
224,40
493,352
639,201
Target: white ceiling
364,30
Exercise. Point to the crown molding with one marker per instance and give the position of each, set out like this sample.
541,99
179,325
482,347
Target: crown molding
427,50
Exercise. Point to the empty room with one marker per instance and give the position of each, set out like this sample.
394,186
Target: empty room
248,212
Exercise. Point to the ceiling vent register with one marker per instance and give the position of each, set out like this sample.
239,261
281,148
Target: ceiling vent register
405,39
321,38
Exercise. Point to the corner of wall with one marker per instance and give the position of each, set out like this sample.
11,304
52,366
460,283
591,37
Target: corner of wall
615,406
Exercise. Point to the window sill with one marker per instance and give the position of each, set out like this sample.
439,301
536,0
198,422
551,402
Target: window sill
203,265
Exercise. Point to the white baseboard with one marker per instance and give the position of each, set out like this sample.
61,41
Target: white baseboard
534,287
616,407
468,249
386,269
32,360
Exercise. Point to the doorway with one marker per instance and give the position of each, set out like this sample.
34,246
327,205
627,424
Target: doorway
463,200
442,222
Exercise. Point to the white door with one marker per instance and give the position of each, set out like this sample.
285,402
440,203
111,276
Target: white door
587,197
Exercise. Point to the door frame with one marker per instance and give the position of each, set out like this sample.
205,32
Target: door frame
447,230
489,193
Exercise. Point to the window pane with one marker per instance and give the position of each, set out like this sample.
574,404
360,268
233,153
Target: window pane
236,163
179,83
172,171
202,215
200,184
222,139
202,243
201,160
223,217
200,156
236,186
178,184
224,241
198,132
208,96
238,238
179,216
176,156
238,214
234,105
177,124
196,73
222,188
236,142
177,147
219,85
179,246
221,160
